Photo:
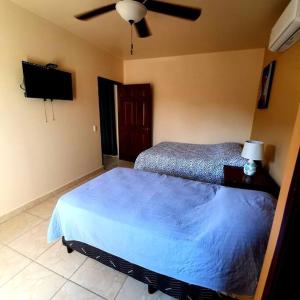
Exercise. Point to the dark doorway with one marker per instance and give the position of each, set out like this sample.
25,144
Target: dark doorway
108,127
282,282
135,120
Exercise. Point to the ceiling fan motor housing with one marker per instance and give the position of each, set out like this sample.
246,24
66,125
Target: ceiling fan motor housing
131,11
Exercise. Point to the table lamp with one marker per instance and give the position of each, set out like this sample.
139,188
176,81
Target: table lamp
253,150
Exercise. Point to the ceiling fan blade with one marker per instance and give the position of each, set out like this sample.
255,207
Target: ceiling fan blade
175,10
142,29
96,12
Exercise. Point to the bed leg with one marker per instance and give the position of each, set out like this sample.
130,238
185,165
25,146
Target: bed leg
151,289
69,249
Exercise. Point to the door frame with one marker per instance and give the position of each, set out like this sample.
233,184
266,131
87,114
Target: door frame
117,83
284,255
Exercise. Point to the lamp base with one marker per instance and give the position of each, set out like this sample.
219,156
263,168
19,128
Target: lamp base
250,168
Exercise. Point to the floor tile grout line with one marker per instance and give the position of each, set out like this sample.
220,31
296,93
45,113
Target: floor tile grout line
121,288
67,278
26,231
36,262
70,277
11,248
27,265
48,248
71,281
33,259
43,202
102,297
85,259
15,275
58,241
26,211
58,290
39,216
30,213
23,212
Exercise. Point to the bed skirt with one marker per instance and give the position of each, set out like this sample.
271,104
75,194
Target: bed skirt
170,286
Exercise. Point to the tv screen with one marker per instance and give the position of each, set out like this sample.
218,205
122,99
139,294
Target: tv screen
35,80
46,83
61,85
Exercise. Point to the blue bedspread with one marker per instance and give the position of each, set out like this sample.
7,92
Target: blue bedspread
203,234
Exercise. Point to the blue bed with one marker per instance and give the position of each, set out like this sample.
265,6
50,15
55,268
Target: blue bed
199,233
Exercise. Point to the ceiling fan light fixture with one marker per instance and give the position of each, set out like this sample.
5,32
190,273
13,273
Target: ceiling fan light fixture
131,10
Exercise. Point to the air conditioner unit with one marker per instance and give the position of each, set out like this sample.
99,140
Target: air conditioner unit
286,31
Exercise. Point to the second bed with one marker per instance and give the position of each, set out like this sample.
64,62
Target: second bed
203,162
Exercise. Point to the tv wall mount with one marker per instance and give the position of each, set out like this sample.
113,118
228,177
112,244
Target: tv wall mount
51,66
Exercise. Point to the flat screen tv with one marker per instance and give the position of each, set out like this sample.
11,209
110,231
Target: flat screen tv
46,83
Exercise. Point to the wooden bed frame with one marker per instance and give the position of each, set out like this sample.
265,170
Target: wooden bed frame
155,281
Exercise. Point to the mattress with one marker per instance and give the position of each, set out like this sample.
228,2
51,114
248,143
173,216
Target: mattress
197,162
202,234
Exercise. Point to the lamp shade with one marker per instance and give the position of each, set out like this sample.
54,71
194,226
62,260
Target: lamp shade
131,10
253,150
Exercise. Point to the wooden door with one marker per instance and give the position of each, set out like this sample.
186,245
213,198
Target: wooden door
135,120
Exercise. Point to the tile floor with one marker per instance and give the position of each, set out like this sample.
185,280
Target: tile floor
30,268
111,162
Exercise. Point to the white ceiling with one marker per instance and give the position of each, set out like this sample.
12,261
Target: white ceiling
224,25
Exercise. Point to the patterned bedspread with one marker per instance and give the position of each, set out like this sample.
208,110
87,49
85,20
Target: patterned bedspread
198,162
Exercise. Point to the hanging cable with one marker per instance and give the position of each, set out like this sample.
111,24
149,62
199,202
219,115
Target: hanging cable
45,111
22,85
131,36
131,49
53,116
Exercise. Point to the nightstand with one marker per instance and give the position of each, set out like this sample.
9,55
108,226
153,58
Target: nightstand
260,181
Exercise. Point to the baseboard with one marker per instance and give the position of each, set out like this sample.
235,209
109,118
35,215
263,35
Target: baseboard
53,193
107,155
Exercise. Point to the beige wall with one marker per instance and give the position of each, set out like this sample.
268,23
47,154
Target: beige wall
203,98
274,125
36,157
286,181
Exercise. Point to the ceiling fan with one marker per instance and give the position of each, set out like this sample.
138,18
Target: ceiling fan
134,12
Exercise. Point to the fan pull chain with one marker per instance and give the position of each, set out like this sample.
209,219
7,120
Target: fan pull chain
131,37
